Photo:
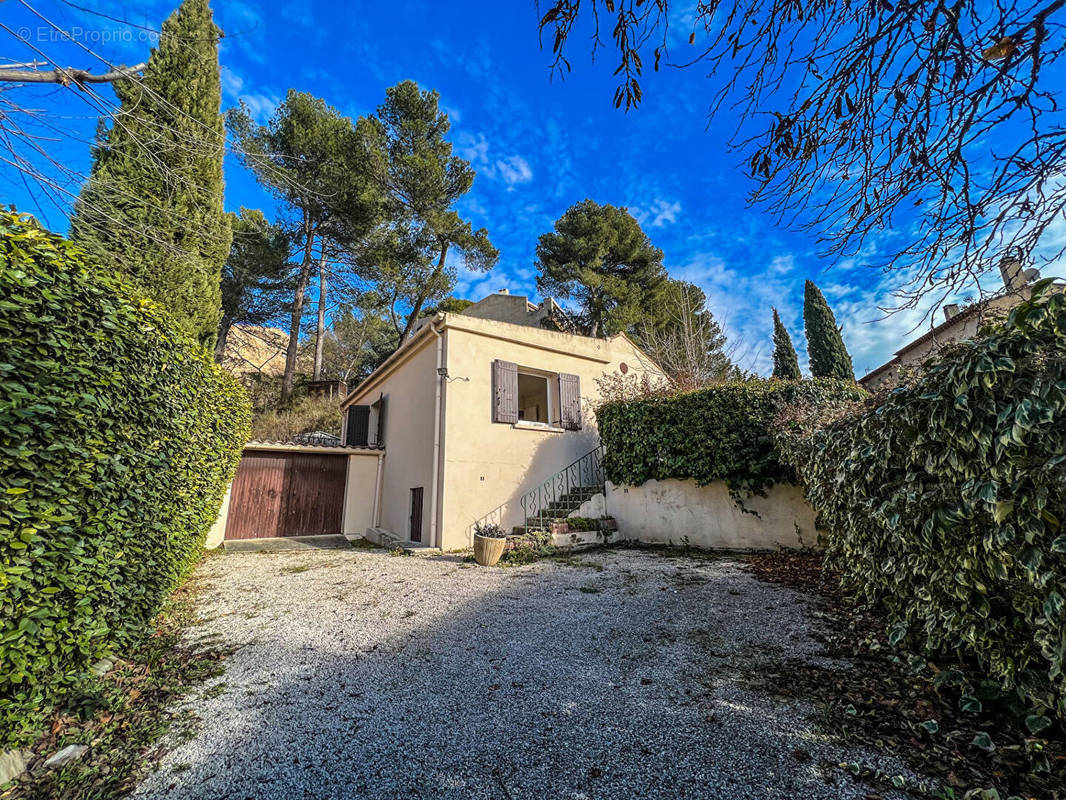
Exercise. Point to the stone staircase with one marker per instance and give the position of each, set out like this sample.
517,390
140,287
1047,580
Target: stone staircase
558,509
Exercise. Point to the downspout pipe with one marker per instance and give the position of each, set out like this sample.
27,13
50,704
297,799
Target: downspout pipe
376,519
434,536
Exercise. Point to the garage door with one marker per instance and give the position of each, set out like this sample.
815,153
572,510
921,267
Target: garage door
286,494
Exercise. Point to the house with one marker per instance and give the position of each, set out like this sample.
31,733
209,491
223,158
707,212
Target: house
481,416
959,324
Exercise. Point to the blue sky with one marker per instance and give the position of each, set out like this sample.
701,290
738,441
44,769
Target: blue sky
539,145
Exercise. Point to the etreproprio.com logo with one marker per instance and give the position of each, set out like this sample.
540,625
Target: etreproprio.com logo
45,33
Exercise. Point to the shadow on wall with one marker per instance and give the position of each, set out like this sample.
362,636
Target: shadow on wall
526,473
526,682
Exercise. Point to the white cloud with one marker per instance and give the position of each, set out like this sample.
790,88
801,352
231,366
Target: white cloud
514,169
511,170
659,214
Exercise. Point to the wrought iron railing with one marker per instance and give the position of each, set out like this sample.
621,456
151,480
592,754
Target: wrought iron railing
585,473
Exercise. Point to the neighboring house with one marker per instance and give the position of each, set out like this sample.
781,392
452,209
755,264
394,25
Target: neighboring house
959,324
474,411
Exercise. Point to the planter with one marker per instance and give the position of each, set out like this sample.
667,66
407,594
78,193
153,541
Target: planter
488,549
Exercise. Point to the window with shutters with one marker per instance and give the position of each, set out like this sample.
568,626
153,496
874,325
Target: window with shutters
527,397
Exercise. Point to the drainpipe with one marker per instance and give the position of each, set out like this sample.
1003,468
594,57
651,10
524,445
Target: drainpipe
434,538
376,519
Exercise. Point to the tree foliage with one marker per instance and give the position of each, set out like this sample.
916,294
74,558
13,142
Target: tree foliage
875,114
119,437
409,160
257,279
309,156
684,338
786,363
943,500
826,353
152,207
359,339
721,433
600,257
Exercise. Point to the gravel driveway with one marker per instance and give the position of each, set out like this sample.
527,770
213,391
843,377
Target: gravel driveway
359,674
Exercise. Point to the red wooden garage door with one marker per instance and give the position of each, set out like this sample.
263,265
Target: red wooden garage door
286,494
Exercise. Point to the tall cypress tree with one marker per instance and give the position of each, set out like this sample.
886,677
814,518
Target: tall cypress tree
825,347
786,364
152,207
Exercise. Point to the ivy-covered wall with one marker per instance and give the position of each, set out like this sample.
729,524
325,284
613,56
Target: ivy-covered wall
944,501
117,440
722,433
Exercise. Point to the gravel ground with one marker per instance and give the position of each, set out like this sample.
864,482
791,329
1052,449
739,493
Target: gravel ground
359,674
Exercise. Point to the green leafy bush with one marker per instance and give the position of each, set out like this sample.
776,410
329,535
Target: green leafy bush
944,499
721,433
118,438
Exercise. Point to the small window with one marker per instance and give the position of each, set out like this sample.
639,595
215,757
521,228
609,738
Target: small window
534,398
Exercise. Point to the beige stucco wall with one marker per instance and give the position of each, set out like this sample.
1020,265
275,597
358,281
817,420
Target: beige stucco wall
680,512
487,464
409,390
217,534
359,493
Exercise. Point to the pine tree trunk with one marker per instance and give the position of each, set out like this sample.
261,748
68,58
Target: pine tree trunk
223,334
413,317
320,332
291,352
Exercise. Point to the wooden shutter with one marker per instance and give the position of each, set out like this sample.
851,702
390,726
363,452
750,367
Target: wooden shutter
358,430
381,421
570,402
504,392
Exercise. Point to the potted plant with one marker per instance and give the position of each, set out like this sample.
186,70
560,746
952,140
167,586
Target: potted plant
489,540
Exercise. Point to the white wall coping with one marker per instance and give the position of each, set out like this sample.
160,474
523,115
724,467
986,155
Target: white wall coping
287,447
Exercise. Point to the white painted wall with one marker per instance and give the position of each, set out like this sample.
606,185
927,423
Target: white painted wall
359,493
680,512
218,530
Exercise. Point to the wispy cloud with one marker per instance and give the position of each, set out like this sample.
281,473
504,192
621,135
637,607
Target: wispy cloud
658,214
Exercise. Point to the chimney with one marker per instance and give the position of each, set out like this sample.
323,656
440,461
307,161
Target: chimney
503,291
950,310
1011,270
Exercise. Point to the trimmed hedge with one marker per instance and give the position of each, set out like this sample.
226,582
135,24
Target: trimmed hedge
944,501
118,438
721,433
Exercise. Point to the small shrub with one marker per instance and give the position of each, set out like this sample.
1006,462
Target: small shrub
944,500
489,530
582,524
119,437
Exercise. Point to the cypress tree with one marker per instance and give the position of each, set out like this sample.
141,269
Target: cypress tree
825,347
786,364
152,207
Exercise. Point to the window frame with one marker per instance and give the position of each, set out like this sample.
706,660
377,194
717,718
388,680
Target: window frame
547,377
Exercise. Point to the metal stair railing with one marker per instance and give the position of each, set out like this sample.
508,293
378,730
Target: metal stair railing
585,473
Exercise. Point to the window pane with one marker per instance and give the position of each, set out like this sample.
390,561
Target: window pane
532,398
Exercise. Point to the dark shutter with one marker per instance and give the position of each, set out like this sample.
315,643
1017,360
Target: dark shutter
381,421
416,514
570,402
358,429
504,392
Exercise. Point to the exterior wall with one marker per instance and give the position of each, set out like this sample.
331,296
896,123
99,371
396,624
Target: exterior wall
409,391
680,512
489,464
217,534
359,493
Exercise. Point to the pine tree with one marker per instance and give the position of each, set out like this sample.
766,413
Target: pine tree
600,257
152,207
825,347
786,364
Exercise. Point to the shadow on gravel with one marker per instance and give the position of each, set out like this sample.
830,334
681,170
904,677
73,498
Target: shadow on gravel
551,681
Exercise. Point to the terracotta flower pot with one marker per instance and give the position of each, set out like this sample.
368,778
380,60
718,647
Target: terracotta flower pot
487,550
